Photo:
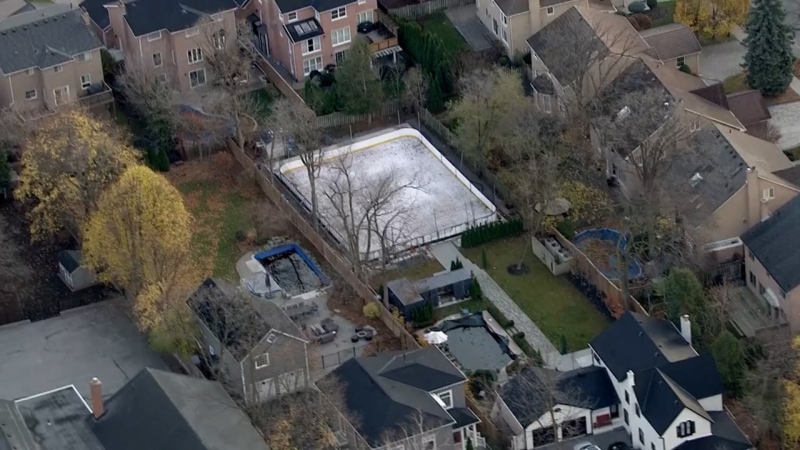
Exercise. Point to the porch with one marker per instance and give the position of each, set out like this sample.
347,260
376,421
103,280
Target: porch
465,433
751,314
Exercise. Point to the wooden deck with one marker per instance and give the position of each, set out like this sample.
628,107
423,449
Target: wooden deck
749,314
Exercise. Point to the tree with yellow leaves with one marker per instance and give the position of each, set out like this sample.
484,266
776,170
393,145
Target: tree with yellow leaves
790,423
66,165
139,238
711,18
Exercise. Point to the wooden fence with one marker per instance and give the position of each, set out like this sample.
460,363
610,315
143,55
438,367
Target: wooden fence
277,80
424,9
331,255
338,119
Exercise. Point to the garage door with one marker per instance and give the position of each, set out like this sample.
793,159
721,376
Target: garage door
543,436
573,428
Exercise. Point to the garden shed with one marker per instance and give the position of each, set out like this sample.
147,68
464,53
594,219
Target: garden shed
407,296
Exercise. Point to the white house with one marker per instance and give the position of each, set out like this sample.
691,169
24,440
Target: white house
646,379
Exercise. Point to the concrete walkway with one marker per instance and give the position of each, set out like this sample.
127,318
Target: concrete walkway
446,252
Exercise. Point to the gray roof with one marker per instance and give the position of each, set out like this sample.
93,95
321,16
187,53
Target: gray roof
9,8
15,434
148,16
671,41
57,420
404,290
792,175
548,44
97,11
775,242
160,410
389,391
442,280
513,7
725,435
44,38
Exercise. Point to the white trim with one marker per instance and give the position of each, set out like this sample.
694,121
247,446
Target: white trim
205,80
261,366
197,53
349,36
336,10
713,120
11,89
30,397
441,402
160,59
88,77
151,37
35,95
289,17
189,32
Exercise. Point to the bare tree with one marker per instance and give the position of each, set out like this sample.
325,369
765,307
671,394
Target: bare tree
416,92
415,433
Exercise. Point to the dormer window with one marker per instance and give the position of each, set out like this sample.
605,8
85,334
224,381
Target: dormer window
445,399
292,16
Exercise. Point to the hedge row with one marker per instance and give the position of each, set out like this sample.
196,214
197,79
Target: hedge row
499,316
526,348
475,236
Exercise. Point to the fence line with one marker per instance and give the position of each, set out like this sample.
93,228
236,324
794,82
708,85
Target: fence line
424,9
331,255
338,119
277,80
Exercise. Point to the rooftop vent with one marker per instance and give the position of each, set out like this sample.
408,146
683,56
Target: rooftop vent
696,179
623,113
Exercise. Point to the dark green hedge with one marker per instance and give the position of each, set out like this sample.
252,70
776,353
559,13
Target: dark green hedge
499,316
493,231
526,348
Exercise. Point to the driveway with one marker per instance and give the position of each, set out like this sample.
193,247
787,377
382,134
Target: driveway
93,341
465,20
719,61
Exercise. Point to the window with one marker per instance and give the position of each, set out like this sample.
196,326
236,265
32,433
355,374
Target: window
339,13
340,56
219,40
30,95
505,36
551,11
627,398
312,64
195,55
505,19
681,61
641,436
58,69
495,27
291,17
614,411
86,81
271,337
625,414
752,279
316,15
262,360
154,36
361,2
192,32
340,36
685,429
29,72
85,56
216,17
396,447
546,106
768,194
652,446
311,46
365,16
157,60
197,78
162,78
429,442
638,413
446,399
61,95
694,125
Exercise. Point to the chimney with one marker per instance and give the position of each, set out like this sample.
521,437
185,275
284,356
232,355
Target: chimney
631,381
85,16
96,389
686,328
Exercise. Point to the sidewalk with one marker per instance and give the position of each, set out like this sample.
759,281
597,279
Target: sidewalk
446,252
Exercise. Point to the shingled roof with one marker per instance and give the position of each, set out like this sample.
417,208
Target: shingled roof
775,242
148,16
671,41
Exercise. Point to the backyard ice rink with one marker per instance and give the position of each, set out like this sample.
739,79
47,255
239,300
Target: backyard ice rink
437,204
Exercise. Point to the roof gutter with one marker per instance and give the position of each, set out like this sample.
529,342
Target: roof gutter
715,120
11,89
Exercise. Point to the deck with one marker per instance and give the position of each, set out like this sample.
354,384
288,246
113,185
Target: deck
749,314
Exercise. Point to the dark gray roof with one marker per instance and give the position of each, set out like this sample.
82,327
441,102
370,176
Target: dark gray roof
463,417
287,6
147,16
97,11
513,7
9,8
57,420
725,435
548,44
722,172
714,93
792,175
44,38
661,399
238,319
637,342
526,394
671,41
388,392
404,290
548,3
304,29
15,435
749,107
775,242
159,410
69,259
442,280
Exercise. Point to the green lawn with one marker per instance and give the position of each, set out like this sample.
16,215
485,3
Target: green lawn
470,305
668,18
440,25
417,270
551,302
735,83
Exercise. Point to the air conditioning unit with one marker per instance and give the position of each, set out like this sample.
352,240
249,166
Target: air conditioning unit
764,199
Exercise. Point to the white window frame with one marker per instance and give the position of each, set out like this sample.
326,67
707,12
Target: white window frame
768,193
58,68
339,13
547,106
195,54
34,97
219,40
162,77
345,35
336,58
63,89
694,125
395,447
681,60
271,337
449,394
361,2
84,84
29,72
160,59
505,35
495,27
291,17
316,14
505,19
192,32
367,17
261,360
316,43
85,56
551,10
154,36
205,80
316,66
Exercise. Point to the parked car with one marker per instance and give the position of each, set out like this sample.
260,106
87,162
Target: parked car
619,446
586,446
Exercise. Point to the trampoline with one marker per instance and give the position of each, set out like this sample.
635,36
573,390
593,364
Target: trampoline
607,260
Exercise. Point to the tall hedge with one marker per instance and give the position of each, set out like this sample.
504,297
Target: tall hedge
492,231
435,60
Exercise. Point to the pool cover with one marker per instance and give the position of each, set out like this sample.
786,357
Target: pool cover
474,345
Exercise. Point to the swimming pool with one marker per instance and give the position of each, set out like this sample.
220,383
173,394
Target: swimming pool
474,345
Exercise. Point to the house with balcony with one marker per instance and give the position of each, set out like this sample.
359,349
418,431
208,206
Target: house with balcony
50,58
406,400
647,387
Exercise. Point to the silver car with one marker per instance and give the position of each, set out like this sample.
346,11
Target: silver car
586,446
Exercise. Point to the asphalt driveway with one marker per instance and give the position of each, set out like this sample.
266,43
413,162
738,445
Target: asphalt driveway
719,61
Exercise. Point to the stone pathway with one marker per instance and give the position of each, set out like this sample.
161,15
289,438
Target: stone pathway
445,252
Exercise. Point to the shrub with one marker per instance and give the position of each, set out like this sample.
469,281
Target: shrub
685,69
652,4
637,7
457,264
526,348
564,346
372,311
423,315
475,236
498,316
161,162
644,21
567,228
240,235
520,335
475,289
634,23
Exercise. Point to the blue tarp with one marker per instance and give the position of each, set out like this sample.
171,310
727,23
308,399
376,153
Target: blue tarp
286,248
616,239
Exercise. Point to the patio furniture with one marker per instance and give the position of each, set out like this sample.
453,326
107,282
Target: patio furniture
355,338
329,325
326,338
362,334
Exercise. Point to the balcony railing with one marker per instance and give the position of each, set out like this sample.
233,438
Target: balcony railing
382,45
101,97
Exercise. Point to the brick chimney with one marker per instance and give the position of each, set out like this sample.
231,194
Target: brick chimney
686,328
96,389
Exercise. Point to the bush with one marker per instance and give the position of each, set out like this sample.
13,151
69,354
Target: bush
372,311
484,259
526,348
567,228
423,315
644,21
652,4
161,162
637,7
685,69
634,23
240,235
498,316
564,346
475,291
457,264
481,234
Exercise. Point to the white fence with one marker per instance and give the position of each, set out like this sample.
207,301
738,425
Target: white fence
424,9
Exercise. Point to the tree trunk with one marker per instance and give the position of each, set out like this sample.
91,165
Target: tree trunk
313,182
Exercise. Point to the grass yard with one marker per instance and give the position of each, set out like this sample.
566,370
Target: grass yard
735,83
440,25
221,207
551,302
415,269
470,305
668,13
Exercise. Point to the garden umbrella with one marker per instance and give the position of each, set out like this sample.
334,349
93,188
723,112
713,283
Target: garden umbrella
436,338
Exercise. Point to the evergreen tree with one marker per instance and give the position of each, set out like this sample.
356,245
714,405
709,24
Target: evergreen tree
162,161
769,59
5,170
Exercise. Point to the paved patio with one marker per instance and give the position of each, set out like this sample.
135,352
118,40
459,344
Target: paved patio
465,20
719,61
